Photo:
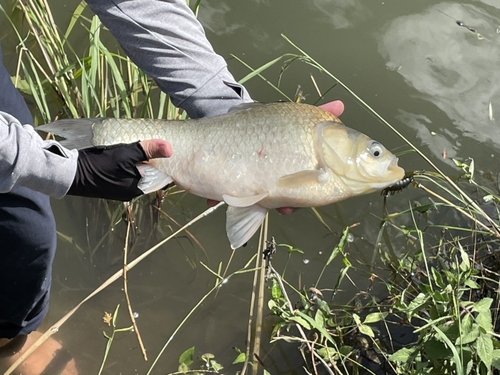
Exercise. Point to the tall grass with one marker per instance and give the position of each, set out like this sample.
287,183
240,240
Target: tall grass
62,82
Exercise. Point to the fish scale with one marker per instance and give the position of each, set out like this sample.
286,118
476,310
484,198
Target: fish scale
255,158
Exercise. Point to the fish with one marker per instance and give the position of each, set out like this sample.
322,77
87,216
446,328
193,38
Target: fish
255,158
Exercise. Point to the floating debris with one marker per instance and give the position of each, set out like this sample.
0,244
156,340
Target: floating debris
462,24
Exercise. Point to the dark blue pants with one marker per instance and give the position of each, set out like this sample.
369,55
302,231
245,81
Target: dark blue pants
27,240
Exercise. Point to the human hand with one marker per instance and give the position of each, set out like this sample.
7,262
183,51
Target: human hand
110,172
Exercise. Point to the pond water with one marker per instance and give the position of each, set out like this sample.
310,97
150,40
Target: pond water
437,81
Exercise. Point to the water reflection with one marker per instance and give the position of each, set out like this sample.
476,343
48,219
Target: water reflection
213,18
451,67
342,14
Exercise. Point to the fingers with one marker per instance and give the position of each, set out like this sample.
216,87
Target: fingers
156,148
211,202
336,107
285,210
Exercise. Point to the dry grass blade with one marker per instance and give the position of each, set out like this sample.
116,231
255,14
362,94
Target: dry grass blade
125,289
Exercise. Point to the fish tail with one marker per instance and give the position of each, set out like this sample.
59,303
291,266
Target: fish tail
77,133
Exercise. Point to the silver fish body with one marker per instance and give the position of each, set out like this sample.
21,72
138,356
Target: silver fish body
259,157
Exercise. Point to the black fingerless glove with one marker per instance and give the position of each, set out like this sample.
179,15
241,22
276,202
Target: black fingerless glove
109,172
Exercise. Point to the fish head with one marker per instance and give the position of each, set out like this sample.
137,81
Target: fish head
364,165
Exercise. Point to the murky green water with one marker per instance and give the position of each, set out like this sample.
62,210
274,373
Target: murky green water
431,78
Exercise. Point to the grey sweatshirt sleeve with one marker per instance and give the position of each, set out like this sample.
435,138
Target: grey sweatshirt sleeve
27,160
168,43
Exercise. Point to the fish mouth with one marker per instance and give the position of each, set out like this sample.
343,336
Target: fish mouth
395,169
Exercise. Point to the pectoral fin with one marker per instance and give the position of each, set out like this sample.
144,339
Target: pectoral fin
242,223
299,179
152,178
243,201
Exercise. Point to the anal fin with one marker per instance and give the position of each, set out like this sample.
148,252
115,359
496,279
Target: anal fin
242,223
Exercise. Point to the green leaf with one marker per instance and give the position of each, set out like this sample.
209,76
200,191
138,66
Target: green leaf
366,330
435,349
458,163
304,323
323,306
276,290
420,300
339,247
471,284
115,314
484,321
272,305
207,357
215,365
240,358
483,305
22,85
468,335
357,319
375,317
484,348
183,368
487,198
312,323
465,264
403,355
186,358
438,279
328,353
319,318
496,359
345,350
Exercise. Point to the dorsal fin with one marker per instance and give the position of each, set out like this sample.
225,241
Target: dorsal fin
244,107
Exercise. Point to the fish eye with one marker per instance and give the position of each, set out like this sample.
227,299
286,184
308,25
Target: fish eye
376,149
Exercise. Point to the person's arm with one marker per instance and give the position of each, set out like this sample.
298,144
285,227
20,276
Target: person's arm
168,43
46,166
27,160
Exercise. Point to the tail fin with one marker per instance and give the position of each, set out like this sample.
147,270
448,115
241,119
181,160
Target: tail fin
77,133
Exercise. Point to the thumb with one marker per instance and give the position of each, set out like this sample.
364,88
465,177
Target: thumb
157,148
336,107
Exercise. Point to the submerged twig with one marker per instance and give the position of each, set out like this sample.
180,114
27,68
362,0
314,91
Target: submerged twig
125,290
256,303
